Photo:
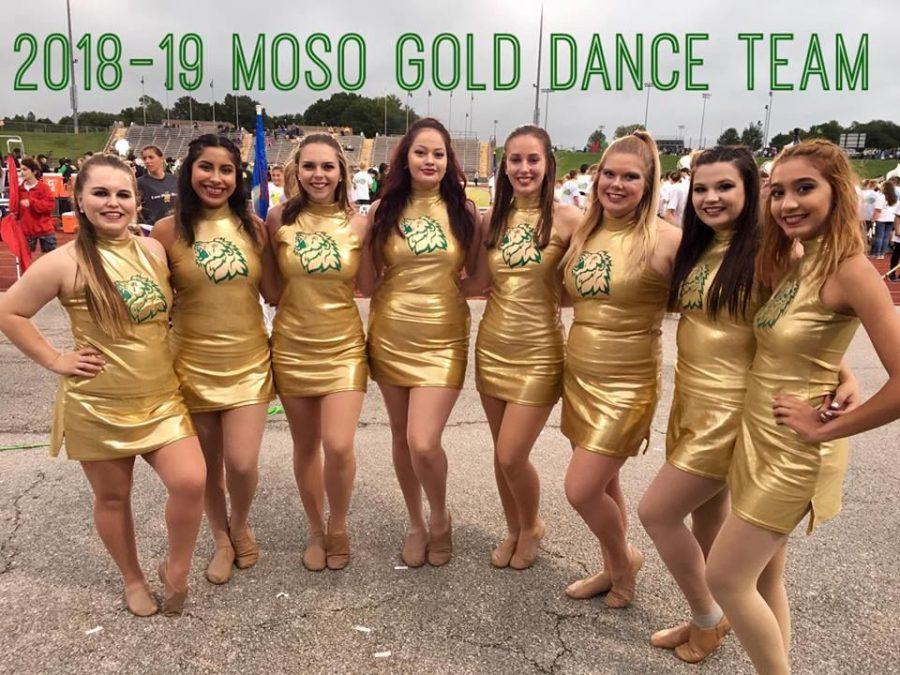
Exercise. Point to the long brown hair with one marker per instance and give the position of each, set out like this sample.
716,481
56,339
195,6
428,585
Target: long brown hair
104,303
398,189
298,199
504,196
642,145
842,236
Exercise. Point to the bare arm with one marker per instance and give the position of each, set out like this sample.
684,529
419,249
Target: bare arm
369,274
478,281
663,258
270,283
38,286
857,288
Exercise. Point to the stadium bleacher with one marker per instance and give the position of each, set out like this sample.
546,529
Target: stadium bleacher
172,140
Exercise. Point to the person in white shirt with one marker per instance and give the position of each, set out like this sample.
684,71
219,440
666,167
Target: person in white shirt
569,192
884,214
678,196
491,183
583,182
276,185
665,188
362,185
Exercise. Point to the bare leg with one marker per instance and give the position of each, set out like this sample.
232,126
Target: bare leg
396,400
587,483
429,409
180,466
304,420
209,432
242,432
673,495
111,484
771,587
738,558
707,519
493,410
340,415
521,427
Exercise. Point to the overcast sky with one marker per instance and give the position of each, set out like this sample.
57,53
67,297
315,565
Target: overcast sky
572,114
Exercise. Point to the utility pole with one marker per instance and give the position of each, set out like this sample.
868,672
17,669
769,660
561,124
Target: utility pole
648,86
537,86
73,94
143,100
213,90
450,115
706,97
237,117
768,117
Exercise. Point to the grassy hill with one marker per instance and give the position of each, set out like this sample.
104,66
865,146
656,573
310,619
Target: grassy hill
59,145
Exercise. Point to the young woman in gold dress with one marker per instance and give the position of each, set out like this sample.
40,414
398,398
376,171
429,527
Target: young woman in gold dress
617,272
519,350
790,458
118,396
423,233
318,342
215,249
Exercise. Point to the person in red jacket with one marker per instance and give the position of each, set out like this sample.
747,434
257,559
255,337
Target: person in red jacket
36,208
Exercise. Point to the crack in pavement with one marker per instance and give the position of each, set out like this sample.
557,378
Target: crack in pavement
561,556
9,559
564,649
508,648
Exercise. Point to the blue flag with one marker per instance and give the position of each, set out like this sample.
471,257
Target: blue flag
261,167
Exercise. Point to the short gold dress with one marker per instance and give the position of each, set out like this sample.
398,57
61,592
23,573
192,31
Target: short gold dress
418,318
710,374
318,342
520,348
134,405
218,333
775,477
613,354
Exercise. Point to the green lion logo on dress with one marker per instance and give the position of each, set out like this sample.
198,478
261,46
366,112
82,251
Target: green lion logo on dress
318,252
423,235
777,305
592,273
518,247
693,287
143,298
221,259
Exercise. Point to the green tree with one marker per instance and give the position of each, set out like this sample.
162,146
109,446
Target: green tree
729,137
626,129
364,114
597,136
752,136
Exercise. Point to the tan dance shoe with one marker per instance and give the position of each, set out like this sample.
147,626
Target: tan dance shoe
440,546
414,549
220,565
337,550
703,641
669,638
314,554
590,587
501,555
526,549
622,593
173,600
246,550
140,602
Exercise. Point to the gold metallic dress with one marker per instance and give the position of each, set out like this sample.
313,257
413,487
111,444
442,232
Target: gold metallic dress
134,405
613,354
520,348
419,319
219,336
318,342
775,477
710,374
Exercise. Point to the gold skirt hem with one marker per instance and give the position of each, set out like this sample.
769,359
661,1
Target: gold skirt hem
316,393
779,529
602,450
687,468
399,382
506,398
219,407
137,453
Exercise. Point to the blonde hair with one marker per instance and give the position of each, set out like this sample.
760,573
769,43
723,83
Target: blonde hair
642,145
104,303
296,196
842,237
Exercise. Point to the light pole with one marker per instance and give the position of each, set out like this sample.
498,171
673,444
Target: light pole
429,103
237,117
546,91
706,97
408,96
385,112
768,117
495,132
73,94
213,91
168,110
450,115
537,86
143,101
466,127
681,132
471,112
648,86
191,109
